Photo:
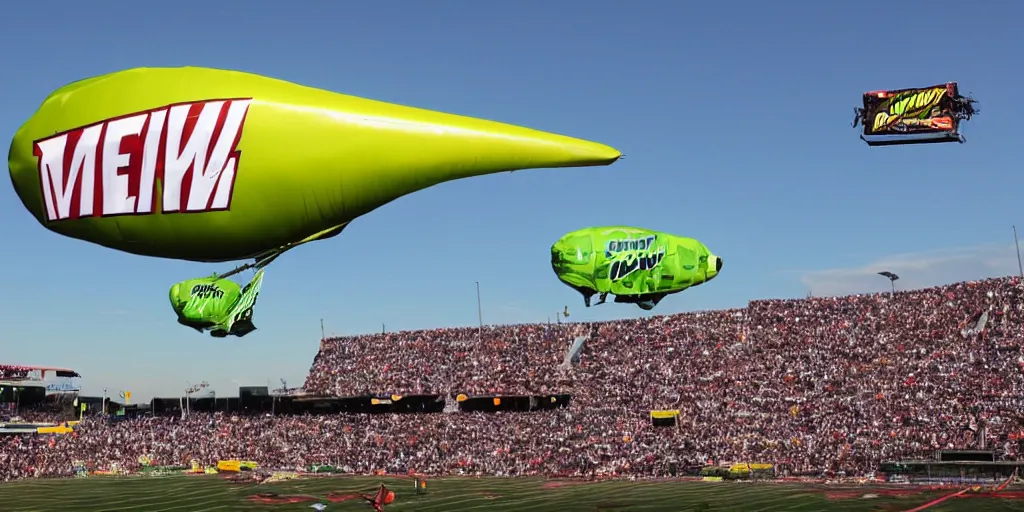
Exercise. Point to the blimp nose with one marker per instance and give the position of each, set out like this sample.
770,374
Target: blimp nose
471,147
582,153
571,250
562,253
510,147
714,262
174,296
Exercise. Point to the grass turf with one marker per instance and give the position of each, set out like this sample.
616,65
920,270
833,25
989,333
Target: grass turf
201,493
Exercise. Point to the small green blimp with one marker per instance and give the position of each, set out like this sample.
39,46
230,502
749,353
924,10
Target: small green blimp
212,165
216,304
637,266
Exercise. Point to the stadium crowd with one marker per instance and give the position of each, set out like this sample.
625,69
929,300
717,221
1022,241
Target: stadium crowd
817,385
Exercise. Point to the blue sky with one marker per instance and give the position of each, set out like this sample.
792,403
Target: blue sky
733,116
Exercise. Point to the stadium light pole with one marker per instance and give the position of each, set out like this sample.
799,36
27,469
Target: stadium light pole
1020,267
479,311
892,279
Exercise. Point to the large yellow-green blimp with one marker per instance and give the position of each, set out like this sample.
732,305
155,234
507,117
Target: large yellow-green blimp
213,165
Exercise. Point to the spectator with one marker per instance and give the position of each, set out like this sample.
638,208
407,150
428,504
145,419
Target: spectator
819,385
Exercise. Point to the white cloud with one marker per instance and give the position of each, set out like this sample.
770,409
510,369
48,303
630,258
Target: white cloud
916,270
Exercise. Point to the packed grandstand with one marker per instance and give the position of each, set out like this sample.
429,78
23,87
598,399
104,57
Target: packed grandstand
814,386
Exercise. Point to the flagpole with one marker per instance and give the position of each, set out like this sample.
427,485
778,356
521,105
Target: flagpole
479,311
1020,267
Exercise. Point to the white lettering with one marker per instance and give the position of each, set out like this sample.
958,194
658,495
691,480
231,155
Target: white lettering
192,156
143,148
219,172
117,199
150,156
57,192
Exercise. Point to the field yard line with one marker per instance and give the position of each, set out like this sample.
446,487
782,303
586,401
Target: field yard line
940,500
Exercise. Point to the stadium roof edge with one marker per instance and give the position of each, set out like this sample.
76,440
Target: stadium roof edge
43,369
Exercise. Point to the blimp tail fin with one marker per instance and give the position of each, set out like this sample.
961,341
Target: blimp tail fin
239,320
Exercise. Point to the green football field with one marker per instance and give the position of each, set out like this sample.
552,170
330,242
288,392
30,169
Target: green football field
198,493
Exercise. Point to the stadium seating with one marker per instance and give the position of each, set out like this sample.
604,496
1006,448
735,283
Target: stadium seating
817,385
